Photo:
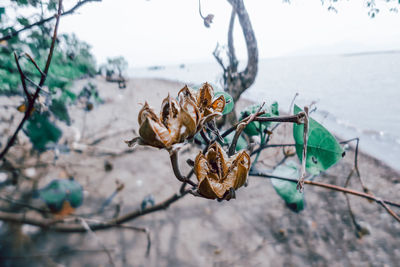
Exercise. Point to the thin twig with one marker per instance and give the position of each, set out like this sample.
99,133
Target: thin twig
218,58
78,228
31,102
52,254
327,186
239,130
144,230
95,237
389,210
177,172
204,136
22,76
265,145
300,183
43,21
292,118
22,204
34,63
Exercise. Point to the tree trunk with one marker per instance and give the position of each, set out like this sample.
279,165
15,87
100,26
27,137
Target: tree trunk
235,83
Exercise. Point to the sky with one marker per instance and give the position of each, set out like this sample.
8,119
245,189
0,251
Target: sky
164,32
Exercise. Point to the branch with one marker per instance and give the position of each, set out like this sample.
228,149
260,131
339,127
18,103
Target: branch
31,101
218,58
248,75
22,76
328,186
300,183
177,172
43,21
49,224
291,118
239,130
231,48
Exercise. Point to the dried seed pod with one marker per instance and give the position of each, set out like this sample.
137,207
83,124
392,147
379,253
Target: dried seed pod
200,105
179,119
173,125
218,174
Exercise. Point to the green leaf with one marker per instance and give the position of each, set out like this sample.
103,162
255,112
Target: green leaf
2,11
323,150
229,104
57,191
23,21
241,142
41,131
287,190
60,111
255,127
67,94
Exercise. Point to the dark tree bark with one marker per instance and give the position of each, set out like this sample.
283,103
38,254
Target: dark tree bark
235,82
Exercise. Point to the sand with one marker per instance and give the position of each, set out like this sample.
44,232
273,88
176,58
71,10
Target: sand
256,229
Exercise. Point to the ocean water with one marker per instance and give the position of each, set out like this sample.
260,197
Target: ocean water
356,95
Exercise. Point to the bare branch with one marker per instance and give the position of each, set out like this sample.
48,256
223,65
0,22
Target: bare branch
248,75
34,63
177,172
50,224
239,130
22,76
218,58
231,48
327,186
31,103
300,183
43,21
87,227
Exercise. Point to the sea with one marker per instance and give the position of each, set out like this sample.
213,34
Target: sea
356,95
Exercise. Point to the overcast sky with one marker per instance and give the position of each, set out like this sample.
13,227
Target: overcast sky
161,32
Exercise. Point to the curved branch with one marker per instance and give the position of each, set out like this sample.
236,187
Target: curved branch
177,172
43,21
248,75
231,48
201,15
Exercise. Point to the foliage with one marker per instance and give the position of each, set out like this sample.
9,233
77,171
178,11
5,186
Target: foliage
287,190
255,127
60,110
41,131
323,150
72,58
58,191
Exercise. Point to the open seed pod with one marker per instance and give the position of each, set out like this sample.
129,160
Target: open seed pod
200,105
179,119
218,174
173,125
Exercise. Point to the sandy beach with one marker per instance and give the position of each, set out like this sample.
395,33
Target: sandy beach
256,229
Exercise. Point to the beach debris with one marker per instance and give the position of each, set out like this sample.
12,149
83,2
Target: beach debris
218,175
